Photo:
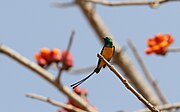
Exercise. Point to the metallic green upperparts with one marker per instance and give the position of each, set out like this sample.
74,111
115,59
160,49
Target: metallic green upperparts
108,42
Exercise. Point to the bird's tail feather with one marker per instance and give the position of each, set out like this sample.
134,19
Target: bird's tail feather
97,70
81,81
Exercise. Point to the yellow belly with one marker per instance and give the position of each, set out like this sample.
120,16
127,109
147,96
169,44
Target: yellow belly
107,53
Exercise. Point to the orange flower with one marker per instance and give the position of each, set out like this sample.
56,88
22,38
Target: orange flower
159,43
170,39
37,56
56,55
46,56
45,53
148,50
164,44
41,61
159,37
156,48
55,51
151,42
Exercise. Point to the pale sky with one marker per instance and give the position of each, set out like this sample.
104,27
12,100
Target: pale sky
27,26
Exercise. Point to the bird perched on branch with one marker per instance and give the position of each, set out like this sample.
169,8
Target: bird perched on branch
107,52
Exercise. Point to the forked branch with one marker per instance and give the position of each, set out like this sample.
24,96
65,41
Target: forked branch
45,75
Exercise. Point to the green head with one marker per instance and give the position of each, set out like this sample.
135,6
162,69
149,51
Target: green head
108,42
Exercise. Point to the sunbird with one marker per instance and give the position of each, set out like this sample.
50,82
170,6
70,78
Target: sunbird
107,52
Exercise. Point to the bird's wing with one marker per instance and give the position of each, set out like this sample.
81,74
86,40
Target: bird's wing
113,49
99,61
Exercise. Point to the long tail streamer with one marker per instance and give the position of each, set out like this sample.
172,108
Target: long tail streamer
81,81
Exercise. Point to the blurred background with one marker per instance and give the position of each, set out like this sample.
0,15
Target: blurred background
27,26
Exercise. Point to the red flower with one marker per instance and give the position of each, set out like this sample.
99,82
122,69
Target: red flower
63,110
80,91
159,43
67,59
41,61
45,53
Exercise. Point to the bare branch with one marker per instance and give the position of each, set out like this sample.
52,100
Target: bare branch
128,86
54,102
147,74
63,5
70,41
152,3
81,70
64,60
173,50
119,58
45,75
163,107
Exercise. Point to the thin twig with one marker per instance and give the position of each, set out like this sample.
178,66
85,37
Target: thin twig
152,3
45,75
63,5
81,70
120,58
173,50
54,102
147,74
64,60
70,40
163,107
57,79
128,86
